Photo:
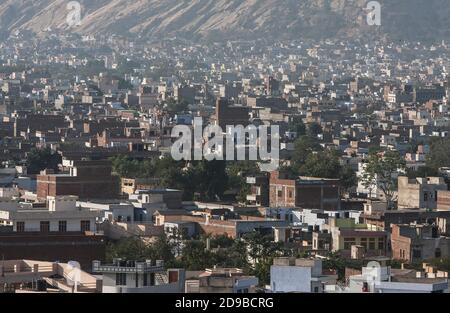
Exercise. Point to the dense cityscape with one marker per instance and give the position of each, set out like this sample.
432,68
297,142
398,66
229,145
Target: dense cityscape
105,189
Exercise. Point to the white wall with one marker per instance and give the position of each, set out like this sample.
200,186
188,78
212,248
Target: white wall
290,279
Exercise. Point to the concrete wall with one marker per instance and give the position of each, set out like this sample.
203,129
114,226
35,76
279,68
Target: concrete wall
443,202
420,192
290,279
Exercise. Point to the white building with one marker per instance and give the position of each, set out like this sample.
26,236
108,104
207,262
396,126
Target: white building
60,215
378,278
115,211
318,218
139,277
299,275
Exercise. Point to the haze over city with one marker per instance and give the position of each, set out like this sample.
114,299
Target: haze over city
258,147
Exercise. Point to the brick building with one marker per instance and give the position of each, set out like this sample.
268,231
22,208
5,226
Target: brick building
30,123
417,242
86,179
53,246
233,228
227,114
305,192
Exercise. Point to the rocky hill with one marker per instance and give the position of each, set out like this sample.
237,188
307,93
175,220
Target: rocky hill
232,19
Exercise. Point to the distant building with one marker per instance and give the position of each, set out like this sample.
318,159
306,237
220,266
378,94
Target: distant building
299,275
222,280
20,276
443,201
419,192
383,279
227,114
139,277
130,185
305,192
417,242
259,190
86,179
345,234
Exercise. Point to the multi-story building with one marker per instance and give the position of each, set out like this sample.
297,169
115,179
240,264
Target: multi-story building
417,242
20,276
139,277
345,234
443,200
61,215
222,280
58,232
299,275
419,193
227,114
259,190
86,179
304,192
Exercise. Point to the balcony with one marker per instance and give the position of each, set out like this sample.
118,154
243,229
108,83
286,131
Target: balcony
128,267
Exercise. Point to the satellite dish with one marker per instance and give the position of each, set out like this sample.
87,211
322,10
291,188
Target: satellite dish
73,275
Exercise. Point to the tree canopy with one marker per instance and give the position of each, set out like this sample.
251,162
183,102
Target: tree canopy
41,159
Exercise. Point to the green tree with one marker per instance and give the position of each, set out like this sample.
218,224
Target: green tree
41,159
321,164
382,171
296,125
348,178
195,257
127,167
135,249
262,250
238,172
314,129
131,248
423,171
439,155
304,146
209,178
177,107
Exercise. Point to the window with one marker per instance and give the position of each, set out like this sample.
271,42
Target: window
145,283
121,279
371,243
364,242
62,226
403,254
417,253
290,194
45,226
380,244
280,193
437,253
425,196
85,225
20,227
152,279
348,243
316,289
